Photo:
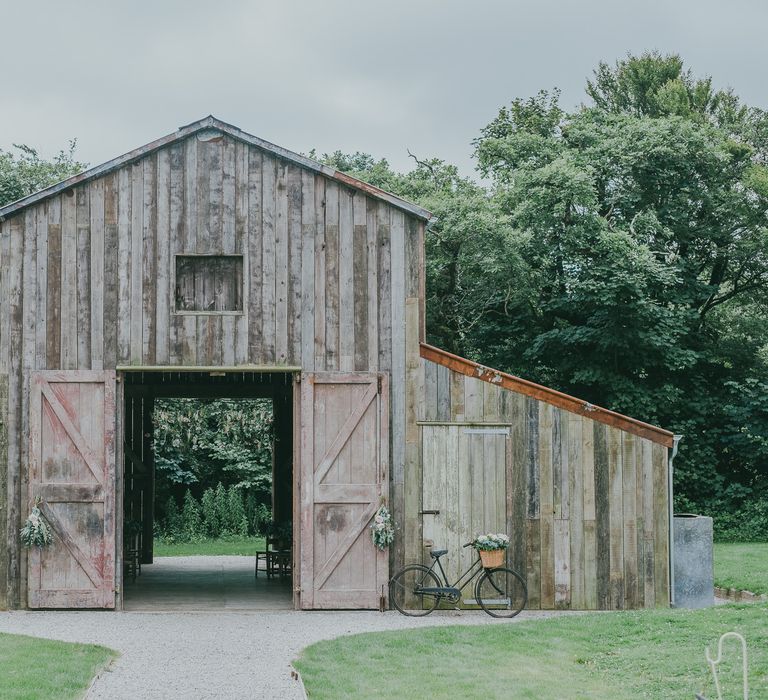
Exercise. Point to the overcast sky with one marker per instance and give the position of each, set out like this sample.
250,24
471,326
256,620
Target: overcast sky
424,75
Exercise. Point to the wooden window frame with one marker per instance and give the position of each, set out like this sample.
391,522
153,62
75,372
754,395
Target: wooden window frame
243,294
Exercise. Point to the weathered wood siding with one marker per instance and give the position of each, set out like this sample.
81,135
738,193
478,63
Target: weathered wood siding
87,282
586,503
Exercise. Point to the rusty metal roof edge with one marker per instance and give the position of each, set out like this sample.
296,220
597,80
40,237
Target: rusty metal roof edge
211,122
546,394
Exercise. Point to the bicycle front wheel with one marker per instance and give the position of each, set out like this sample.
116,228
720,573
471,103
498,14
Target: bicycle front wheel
501,592
404,589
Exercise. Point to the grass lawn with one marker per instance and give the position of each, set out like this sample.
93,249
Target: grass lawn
622,656
42,669
742,566
245,546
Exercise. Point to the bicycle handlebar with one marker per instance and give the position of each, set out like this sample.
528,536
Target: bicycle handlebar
468,544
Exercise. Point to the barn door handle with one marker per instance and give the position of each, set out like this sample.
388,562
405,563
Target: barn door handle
429,512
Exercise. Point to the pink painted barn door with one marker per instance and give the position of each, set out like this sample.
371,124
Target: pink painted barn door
344,472
72,469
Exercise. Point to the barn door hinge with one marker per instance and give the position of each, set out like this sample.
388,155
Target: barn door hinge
297,378
378,383
382,601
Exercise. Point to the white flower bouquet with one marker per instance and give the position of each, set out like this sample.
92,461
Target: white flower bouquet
491,549
382,528
36,531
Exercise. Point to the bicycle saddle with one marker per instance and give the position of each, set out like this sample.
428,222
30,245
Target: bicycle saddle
435,553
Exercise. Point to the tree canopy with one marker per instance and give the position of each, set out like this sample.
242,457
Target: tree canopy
619,253
24,171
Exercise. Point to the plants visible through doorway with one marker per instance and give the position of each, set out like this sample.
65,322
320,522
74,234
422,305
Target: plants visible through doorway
36,531
382,528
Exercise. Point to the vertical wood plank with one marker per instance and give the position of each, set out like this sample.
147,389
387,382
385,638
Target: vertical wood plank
163,252
346,281
29,307
629,487
255,257
398,346
149,262
576,511
516,476
532,459
41,277
546,425
53,290
125,246
649,559
533,562
268,260
15,436
308,233
360,301
602,520
109,266
616,518
97,290
83,330
228,242
3,479
136,268
69,280
319,252
296,308
176,234
281,265
331,276
372,278
241,245
660,525
383,229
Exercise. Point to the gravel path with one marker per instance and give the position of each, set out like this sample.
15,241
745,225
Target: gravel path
213,655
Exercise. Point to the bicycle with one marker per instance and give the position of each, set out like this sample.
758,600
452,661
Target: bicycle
500,592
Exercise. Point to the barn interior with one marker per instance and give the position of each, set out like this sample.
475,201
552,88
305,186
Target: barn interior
198,582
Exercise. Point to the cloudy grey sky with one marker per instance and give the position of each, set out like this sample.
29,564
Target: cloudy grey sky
354,75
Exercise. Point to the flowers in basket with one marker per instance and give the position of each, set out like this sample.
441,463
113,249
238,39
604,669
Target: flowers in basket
490,542
382,528
36,531
491,548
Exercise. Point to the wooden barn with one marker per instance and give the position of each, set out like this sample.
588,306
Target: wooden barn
211,263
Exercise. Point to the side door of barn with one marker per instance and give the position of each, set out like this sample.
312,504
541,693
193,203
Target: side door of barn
464,488
344,472
72,473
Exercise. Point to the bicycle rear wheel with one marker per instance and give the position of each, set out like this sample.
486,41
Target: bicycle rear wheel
404,590
501,592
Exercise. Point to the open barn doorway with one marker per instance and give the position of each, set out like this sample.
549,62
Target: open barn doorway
207,490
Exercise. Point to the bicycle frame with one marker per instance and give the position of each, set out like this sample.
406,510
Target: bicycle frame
469,574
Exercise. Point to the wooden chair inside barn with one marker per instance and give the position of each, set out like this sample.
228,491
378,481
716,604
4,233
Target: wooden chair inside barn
277,561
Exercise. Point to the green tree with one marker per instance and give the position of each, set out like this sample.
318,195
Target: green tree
210,516
192,523
25,172
174,526
237,523
620,253
221,506
644,221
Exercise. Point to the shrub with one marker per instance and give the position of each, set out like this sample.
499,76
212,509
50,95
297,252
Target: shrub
235,511
749,523
211,524
192,523
220,506
173,522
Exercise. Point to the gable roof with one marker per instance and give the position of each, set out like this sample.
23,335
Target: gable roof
210,123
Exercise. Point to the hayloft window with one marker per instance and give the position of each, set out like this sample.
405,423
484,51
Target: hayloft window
209,284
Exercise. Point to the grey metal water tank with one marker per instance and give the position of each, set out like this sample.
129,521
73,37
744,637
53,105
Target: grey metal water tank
694,565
